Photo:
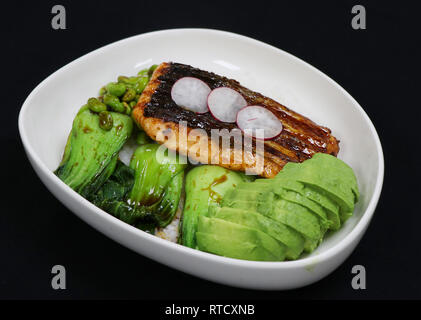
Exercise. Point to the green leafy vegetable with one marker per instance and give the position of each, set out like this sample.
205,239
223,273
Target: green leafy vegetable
158,182
146,194
91,153
112,198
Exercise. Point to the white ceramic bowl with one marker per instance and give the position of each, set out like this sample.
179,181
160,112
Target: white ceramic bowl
46,117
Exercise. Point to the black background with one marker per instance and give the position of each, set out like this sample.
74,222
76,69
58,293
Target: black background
377,66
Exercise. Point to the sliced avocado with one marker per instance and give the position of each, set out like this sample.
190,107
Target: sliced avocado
329,173
301,220
241,194
291,214
312,206
331,208
308,198
289,237
344,212
263,202
321,180
267,248
337,167
217,244
242,204
297,192
205,185
212,209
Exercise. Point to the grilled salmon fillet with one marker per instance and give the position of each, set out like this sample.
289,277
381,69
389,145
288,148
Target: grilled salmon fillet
165,122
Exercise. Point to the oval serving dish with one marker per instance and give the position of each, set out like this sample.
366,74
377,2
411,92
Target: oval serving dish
46,118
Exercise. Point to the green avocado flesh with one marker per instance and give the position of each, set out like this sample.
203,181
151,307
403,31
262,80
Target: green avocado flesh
298,218
248,191
91,153
252,219
252,244
214,243
287,182
331,177
205,186
295,209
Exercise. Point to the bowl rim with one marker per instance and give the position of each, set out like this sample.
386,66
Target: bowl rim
329,253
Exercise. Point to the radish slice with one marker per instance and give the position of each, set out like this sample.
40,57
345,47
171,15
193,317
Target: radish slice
252,118
224,104
191,94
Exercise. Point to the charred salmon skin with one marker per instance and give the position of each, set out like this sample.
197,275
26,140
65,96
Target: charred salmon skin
165,122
